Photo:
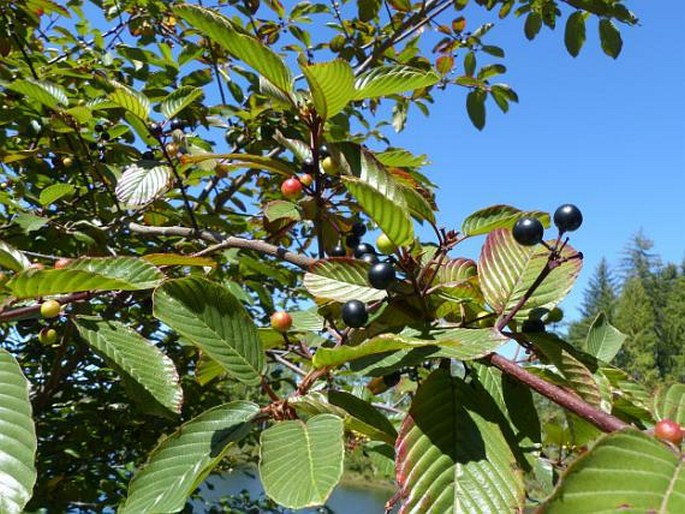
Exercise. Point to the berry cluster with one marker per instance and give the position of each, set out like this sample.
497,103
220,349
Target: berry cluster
528,231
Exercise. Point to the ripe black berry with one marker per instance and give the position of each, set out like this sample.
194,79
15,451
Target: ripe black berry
338,251
532,326
363,248
392,379
568,218
354,314
352,241
528,231
308,165
148,156
177,124
370,258
323,152
156,129
381,275
99,128
105,136
358,229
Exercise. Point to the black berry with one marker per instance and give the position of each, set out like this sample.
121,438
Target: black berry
352,241
568,218
370,258
392,379
308,165
363,248
354,314
105,136
358,229
532,326
148,156
381,275
177,124
99,128
156,129
323,152
528,231
338,251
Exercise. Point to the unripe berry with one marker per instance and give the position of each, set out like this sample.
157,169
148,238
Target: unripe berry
50,309
291,188
281,321
329,167
47,336
62,263
67,162
306,179
385,245
669,430
172,149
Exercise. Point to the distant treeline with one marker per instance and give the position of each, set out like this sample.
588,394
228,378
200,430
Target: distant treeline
644,299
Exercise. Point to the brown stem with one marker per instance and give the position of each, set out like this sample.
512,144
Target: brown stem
230,242
602,420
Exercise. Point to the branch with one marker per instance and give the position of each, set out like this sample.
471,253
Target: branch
599,418
302,261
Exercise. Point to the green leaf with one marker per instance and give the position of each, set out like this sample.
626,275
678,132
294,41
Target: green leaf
182,461
392,80
368,9
332,86
179,99
669,403
610,38
603,340
626,468
46,93
17,437
87,274
401,158
574,36
533,25
30,222
419,207
452,455
307,320
300,463
341,279
142,182
507,270
133,101
12,259
392,217
498,216
136,359
359,416
209,316
458,343
238,160
243,46
475,107
174,259
281,209
579,377
207,369
54,192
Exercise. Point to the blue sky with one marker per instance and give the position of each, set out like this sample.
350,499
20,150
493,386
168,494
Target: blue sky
606,135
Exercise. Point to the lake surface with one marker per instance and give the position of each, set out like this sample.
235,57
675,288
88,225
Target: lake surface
347,498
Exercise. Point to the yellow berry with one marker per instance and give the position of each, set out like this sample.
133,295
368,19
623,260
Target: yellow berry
50,309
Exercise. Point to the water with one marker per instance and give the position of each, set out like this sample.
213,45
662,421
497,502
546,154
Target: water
347,498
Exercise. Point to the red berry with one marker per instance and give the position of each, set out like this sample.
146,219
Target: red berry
306,179
62,263
281,321
291,188
669,430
